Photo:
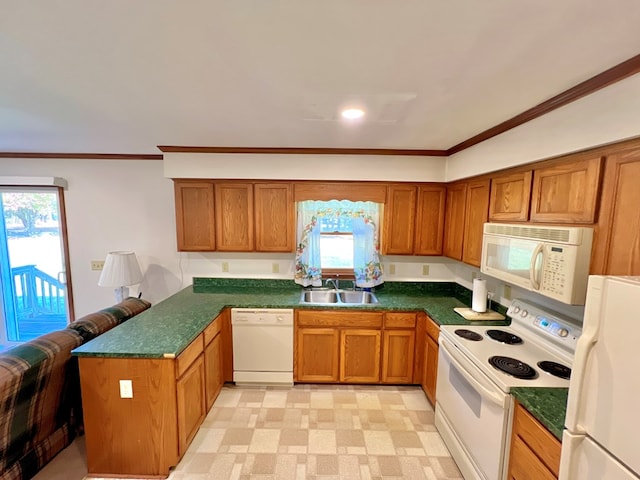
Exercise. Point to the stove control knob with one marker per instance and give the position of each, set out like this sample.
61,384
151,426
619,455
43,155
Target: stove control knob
563,332
516,309
524,313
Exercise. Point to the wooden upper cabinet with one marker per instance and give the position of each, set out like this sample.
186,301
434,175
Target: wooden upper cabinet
476,212
234,217
567,191
194,216
430,220
399,220
617,248
275,217
454,220
510,197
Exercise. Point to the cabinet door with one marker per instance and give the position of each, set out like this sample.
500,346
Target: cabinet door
535,452
454,220
399,220
510,197
617,248
566,192
430,220
213,369
191,403
275,218
317,353
360,356
475,217
397,356
194,216
234,217
431,360
431,370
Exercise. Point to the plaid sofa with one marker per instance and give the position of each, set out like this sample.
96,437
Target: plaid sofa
40,406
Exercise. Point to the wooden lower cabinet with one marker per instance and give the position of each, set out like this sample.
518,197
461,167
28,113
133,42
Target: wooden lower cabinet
430,373
191,408
397,359
360,356
338,346
317,355
213,361
146,435
535,452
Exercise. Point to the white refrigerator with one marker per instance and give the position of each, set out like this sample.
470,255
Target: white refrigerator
601,440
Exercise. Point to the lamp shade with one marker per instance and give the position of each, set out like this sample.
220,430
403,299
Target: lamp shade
120,269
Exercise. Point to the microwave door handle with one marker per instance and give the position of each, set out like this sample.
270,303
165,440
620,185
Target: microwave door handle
533,274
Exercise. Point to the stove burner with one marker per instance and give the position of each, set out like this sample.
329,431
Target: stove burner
513,367
504,337
555,369
468,334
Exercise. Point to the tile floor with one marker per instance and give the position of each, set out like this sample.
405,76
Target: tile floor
314,432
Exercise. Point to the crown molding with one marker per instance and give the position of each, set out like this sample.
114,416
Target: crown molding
83,156
303,151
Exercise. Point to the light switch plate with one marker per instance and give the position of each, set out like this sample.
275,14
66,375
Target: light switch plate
126,389
425,269
97,265
392,269
225,266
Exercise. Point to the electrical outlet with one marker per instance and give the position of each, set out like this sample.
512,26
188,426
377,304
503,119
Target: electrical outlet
425,269
507,292
225,267
275,268
97,265
392,269
126,389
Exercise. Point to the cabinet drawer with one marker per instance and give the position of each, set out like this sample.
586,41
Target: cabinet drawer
400,320
189,355
525,465
212,330
433,329
325,318
537,438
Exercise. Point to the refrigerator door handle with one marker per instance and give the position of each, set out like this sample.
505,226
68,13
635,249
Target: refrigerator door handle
586,342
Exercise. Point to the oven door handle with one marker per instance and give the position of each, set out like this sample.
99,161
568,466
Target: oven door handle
496,398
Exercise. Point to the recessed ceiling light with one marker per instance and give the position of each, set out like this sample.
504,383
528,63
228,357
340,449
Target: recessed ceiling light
352,113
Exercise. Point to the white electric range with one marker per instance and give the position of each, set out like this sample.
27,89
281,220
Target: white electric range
477,367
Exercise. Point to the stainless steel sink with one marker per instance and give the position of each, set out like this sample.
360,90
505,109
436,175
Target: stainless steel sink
357,296
338,298
319,296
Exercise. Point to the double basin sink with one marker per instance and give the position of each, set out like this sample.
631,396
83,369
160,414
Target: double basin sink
325,296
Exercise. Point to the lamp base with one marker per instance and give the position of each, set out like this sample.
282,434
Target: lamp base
121,293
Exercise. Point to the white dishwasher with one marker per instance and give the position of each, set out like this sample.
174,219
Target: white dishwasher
262,346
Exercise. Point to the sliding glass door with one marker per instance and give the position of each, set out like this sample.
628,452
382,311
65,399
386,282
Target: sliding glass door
33,264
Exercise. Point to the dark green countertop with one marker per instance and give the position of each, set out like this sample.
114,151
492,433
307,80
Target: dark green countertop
547,405
168,327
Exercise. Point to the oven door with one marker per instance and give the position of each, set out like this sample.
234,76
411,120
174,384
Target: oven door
473,416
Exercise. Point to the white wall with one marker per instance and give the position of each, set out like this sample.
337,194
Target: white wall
305,167
608,115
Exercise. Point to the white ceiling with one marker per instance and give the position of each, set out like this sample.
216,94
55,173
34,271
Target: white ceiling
124,76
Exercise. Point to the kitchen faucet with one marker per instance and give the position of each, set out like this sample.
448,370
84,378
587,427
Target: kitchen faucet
333,281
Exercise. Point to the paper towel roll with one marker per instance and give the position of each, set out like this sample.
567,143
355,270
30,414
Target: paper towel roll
479,299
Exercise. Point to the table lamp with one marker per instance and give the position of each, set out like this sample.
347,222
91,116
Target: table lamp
120,270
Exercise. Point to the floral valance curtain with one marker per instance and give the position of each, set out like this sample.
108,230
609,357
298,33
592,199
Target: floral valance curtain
366,245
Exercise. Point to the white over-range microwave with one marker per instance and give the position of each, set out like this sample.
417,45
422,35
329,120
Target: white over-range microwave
552,261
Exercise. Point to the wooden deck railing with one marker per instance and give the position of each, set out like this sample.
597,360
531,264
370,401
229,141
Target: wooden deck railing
37,292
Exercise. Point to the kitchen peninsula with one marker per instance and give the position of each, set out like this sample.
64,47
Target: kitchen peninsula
176,356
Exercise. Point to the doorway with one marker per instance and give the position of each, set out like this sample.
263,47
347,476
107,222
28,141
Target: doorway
34,282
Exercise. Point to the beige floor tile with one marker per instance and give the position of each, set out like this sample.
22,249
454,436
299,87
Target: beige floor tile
265,441
379,443
322,441
433,444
